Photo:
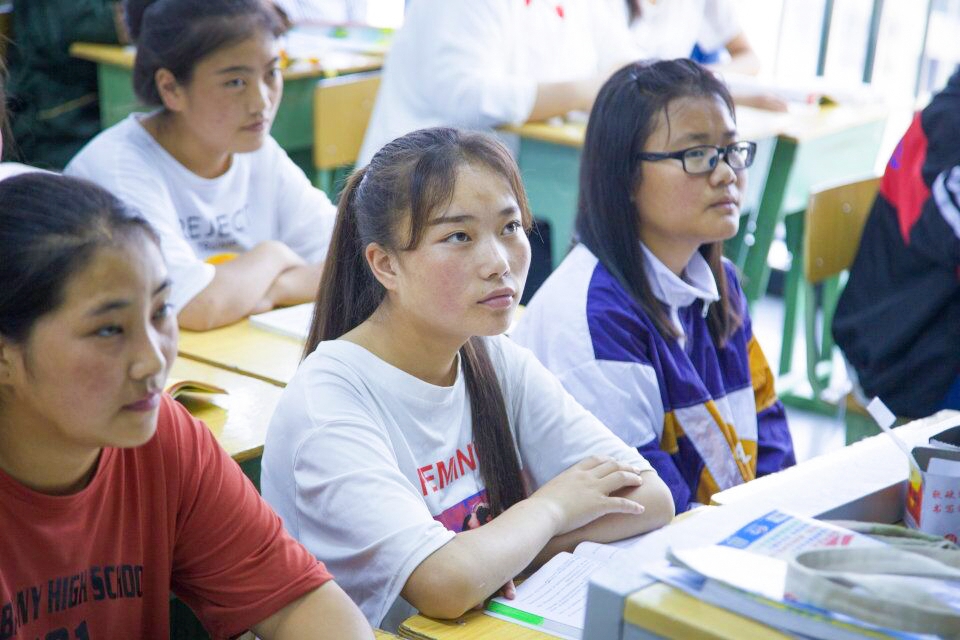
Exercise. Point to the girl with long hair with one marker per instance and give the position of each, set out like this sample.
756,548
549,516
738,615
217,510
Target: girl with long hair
410,411
644,321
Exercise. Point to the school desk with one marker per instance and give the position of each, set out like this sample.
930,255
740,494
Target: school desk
246,350
293,125
864,481
239,418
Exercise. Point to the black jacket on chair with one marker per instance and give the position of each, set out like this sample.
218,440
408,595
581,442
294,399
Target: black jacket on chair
898,320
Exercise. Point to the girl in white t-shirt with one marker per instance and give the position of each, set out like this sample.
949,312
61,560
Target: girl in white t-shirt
412,421
478,65
203,168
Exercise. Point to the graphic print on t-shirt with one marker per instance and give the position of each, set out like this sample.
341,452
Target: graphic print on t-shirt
216,233
31,604
467,514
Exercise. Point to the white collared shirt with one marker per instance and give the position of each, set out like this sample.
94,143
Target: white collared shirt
676,292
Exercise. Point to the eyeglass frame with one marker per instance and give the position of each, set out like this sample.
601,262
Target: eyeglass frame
722,152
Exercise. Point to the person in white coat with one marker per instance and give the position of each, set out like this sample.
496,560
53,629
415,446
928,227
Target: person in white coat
476,65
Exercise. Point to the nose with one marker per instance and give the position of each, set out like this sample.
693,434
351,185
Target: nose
496,263
723,173
149,360
261,99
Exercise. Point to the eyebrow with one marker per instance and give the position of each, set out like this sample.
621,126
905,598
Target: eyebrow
242,68
507,211
704,138
113,305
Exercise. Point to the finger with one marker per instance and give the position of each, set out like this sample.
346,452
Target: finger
619,480
622,505
591,461
607,467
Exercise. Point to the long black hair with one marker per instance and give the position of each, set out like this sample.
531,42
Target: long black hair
177,34
623,117
409,179
51,226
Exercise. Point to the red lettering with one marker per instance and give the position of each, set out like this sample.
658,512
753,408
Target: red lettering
461,458
447,472
425,476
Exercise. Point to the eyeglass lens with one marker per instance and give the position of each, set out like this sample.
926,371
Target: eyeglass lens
704,159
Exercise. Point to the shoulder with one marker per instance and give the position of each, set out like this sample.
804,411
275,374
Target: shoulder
123,150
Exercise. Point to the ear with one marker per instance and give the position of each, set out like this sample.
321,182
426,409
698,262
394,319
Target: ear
8,355
383,264
171,93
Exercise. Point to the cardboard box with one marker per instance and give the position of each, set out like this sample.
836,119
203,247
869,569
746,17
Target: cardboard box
933,488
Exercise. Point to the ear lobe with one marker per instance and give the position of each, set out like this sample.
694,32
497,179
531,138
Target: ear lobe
6,360
383,265
169,90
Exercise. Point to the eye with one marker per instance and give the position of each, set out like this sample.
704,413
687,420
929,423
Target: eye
108,331
163,312
457,238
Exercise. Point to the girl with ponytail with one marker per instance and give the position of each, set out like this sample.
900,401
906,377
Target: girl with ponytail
411,415
242,228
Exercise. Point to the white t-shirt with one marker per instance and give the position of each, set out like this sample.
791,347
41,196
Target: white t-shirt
669,29
475,65
262,196
373,469
10,169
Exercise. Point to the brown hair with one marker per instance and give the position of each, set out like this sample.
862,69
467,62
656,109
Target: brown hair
409,179
623,117
177,34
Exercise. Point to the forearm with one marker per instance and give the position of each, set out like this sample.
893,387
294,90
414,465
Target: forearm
476,563
295,286
238,287
658,505
558,98
324,613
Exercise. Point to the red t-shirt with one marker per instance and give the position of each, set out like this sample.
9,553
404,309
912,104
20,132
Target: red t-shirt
175,514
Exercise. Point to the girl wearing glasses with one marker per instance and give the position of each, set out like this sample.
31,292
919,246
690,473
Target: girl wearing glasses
644,322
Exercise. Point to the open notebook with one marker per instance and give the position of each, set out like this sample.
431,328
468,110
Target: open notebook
289,321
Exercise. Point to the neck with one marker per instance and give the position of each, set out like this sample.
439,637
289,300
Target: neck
172,133
674,254
34,457
408,347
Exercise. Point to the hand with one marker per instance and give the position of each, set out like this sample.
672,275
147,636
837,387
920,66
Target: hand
582,493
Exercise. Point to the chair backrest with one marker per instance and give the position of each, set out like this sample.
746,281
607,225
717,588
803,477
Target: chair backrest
834,222
341,112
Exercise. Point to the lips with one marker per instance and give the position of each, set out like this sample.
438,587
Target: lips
148,402
499,298
259,125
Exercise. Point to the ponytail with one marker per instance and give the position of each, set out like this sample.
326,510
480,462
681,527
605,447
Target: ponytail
407,181
496,448
348,292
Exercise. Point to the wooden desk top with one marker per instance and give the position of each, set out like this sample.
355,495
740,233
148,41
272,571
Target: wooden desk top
244,349
238,418
474,625
332,63
753,124
671,613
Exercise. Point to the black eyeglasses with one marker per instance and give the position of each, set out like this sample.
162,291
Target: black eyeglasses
703,158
